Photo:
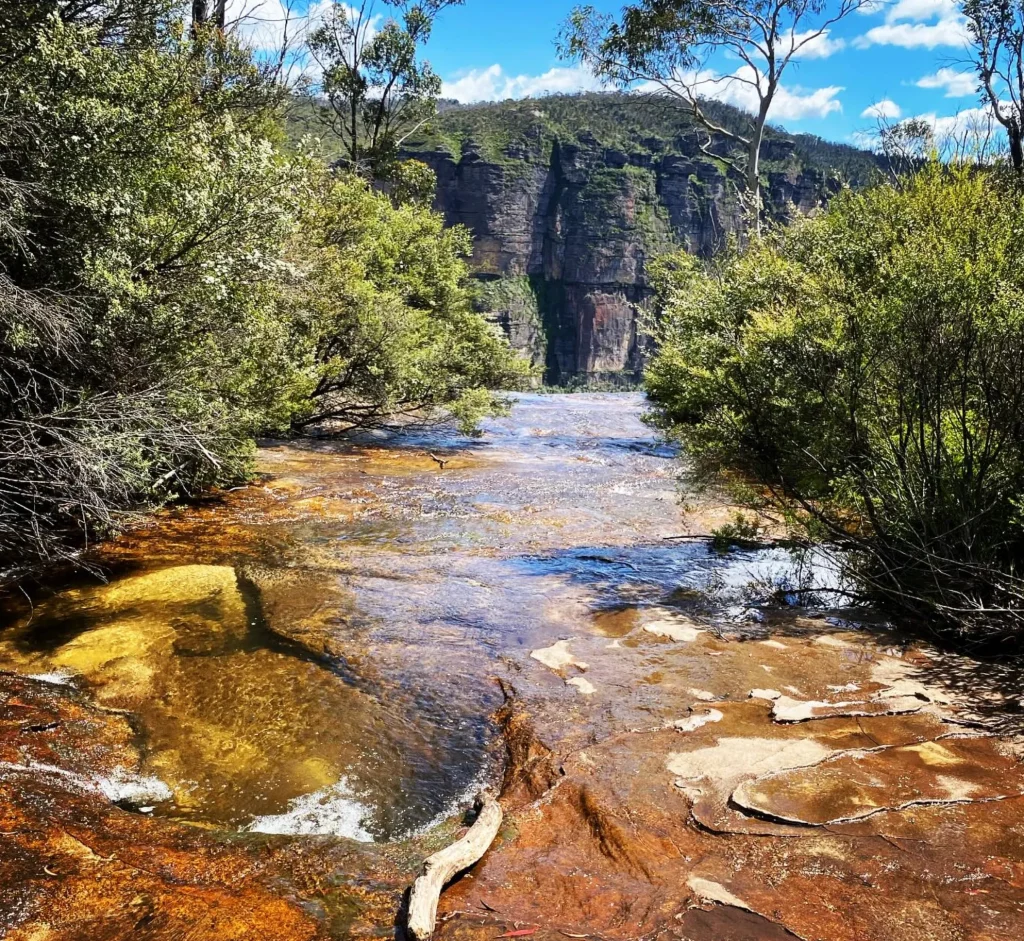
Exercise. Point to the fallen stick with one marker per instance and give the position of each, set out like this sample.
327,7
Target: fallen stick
444,864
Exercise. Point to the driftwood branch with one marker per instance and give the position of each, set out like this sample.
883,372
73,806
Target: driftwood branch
444,864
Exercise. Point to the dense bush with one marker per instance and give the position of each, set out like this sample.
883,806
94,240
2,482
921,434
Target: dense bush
863,373
176,279
383,289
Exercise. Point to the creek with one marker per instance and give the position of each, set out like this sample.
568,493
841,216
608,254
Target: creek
317,674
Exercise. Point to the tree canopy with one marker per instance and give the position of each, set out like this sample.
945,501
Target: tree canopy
377,88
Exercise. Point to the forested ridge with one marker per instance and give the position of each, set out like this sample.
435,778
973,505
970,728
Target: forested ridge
624,121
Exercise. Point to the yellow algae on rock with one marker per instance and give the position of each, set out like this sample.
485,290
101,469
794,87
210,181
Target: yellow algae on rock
129,627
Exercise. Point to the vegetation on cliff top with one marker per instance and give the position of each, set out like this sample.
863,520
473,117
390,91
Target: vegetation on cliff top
619,121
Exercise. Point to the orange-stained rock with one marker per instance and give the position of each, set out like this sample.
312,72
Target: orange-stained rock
355,636
74,865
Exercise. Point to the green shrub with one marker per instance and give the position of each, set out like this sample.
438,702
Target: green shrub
863,373
174,281
384,291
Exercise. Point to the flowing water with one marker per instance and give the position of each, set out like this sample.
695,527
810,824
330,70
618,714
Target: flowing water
319,653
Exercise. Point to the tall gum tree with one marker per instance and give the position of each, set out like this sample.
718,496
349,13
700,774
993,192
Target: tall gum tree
996,30
671,47
377,89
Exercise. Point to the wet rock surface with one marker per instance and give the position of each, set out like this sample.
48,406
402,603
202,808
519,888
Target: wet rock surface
283,702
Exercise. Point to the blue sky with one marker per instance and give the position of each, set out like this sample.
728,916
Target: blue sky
903,57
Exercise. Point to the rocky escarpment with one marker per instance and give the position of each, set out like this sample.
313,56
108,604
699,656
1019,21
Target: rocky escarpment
565,226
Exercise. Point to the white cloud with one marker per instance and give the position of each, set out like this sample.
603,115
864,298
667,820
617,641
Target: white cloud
968,121
819,47
949,32
885,109
494,84
908,24
789,104
261,24
265,24
920,10
956,84
796,104
971,127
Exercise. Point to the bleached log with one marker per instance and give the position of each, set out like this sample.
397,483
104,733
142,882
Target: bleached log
444,864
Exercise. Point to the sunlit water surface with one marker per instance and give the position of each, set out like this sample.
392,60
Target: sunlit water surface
318,654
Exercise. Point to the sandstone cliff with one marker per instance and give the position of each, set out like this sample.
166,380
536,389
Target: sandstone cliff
566,219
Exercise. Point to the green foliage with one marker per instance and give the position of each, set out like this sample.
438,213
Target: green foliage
863,373
630,123
741,530
376,89
174,281
385,292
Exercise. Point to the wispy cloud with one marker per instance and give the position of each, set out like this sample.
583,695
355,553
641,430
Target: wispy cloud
791,102
918,24
495,84
955,84
884,109
819,47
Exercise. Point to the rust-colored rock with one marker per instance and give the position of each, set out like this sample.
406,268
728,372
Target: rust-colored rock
318,655
858,784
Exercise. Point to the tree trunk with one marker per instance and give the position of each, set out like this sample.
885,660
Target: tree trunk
199,14
1015,133
221,14
754,184
754,159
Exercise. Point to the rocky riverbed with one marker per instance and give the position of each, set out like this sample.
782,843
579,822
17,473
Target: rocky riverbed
282,700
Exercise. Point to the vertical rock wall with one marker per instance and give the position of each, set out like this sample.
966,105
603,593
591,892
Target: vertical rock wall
563,235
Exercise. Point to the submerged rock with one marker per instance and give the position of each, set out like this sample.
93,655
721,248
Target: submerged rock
679,629
557,657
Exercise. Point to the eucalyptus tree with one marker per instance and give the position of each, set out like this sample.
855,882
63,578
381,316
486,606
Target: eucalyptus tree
377,89
996,29
673,46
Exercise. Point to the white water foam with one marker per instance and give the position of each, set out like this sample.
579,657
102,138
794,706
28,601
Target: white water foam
120,786
126,788
331,811
57,678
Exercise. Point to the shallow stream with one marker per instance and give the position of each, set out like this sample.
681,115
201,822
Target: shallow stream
318,654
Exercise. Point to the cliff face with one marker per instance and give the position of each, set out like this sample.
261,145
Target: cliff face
564,230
